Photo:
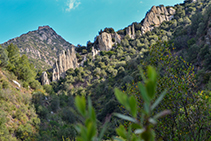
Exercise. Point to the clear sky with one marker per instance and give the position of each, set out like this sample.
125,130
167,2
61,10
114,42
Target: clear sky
77,21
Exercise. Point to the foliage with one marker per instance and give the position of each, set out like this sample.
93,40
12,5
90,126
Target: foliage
142,128
3,58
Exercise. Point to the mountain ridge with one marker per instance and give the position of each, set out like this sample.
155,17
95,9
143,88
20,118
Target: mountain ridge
43,45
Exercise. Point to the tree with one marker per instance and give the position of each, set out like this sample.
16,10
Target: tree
177,77
13,55
3,57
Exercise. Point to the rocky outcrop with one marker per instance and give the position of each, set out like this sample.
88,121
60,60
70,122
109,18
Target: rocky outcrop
94,52
117,38
156,16
44,79
66,60
130,30
105,41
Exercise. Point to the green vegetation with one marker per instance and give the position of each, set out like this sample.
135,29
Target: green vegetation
142,79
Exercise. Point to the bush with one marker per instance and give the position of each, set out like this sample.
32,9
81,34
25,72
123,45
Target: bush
35,84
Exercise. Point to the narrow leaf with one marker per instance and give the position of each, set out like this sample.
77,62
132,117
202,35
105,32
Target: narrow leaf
152,75
80,104
142,74
118,139
158,100
147,108
139,131
133,106
143,92
162,114
125,117
122,98
91,130
150,87
103,130
121,132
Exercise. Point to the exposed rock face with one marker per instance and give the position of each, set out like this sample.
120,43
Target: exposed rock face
130,30
44,79
156,16
94,52
117,38
82,62
105,41
42,45
66,60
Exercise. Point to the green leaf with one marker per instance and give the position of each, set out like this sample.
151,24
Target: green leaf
147,108
91,110
122,98
80,104
143,92
125,117
103,130
133,106
158,100
118,139
135,126
91,130
148,135
121,132
150,87
152,75
142,74
134,137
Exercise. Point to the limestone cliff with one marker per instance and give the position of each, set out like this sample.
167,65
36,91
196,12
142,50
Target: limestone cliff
105,41
130,30
66,60
156,16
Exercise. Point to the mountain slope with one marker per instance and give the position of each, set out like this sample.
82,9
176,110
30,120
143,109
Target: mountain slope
18,119
41,46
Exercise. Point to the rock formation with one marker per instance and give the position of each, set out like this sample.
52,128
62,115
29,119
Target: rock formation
156,16
117,38
105,41
153,18
94,52
130,30
45,79
66,60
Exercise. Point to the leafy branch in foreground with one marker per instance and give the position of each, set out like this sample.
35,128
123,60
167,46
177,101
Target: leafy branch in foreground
140,129
88,130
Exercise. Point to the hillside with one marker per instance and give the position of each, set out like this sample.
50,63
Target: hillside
41,46
175,40
17,115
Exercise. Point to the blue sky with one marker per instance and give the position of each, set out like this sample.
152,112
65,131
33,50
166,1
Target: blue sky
77,21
